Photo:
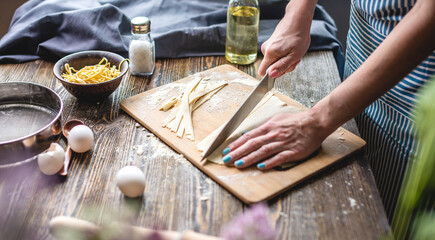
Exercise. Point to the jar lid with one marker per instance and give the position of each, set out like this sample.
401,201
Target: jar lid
140,25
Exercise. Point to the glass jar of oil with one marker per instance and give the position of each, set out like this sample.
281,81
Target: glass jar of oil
242,31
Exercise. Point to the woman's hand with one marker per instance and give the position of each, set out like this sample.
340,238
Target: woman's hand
283,50
290,40
283,138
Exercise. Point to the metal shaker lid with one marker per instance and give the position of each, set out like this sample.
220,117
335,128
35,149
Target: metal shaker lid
140,25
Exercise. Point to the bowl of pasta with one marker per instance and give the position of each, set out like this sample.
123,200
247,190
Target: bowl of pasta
91,75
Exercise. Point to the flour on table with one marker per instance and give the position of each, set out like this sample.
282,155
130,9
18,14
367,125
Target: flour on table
155,99
139,150
216,104
352,202
245,81
162,150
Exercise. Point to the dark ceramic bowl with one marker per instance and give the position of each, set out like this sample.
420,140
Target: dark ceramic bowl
92,91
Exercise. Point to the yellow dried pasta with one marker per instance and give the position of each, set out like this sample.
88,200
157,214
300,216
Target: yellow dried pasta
98,73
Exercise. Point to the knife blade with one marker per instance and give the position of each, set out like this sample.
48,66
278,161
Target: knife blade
264,86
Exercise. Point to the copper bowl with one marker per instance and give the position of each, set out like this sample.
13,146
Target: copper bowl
92,91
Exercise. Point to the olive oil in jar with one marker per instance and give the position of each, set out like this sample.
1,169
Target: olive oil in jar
242,34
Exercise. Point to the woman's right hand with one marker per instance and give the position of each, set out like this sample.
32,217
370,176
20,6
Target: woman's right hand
290,40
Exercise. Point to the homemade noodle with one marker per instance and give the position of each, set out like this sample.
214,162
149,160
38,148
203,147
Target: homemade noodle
98,73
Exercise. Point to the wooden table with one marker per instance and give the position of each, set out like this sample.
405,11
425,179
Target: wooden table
340,203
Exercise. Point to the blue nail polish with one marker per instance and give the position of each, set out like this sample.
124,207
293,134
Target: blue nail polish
226,159
261,165
226,151
243,133
239,162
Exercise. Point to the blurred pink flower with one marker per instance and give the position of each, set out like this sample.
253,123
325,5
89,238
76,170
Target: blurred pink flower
253,224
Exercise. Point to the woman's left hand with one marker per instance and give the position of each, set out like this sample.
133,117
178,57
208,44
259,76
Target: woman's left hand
283,138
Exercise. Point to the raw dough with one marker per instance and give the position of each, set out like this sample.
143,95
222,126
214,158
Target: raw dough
269,106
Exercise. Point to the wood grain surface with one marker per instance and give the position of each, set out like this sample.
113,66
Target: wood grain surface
339,203
249,185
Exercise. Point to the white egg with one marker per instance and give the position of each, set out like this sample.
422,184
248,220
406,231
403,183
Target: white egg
131,181
51,161
81,138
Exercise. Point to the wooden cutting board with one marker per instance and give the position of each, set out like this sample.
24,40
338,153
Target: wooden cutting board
249,185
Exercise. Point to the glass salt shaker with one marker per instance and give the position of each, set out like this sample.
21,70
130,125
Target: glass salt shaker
142,48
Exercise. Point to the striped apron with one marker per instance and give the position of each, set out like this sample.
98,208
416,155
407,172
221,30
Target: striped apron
387,125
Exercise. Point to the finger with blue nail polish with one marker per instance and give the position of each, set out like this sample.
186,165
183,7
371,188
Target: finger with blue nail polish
226,159
226,151
261,165
239,163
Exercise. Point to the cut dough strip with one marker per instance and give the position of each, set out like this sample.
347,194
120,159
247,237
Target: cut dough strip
169,104
183,113
180,119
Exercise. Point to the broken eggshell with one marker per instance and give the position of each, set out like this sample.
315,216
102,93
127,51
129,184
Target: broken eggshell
51,161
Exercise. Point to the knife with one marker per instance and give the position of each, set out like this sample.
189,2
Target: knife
266,83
